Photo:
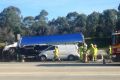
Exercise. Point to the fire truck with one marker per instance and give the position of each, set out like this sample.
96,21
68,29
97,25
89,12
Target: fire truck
116,46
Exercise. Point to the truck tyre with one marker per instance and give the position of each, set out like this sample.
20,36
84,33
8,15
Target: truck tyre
43,58
71,58
21,58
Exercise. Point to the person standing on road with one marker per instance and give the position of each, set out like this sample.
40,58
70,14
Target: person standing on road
91,51
81,52
85,55
85,47
56,54
95,53
110,53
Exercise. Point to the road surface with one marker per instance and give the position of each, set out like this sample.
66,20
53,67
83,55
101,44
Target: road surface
59,71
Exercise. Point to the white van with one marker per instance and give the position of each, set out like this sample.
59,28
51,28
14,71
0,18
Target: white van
66,51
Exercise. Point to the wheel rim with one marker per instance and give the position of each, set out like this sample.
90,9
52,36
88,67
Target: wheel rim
71,58
43,58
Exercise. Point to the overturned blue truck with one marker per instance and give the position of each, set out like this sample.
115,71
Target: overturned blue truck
42,47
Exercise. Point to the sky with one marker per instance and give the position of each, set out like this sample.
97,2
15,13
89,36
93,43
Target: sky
56,8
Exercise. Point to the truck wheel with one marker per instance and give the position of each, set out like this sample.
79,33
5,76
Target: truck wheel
71,58
43,58
22,58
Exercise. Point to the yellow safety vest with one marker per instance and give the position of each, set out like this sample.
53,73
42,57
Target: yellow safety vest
95,51
56,52
110,50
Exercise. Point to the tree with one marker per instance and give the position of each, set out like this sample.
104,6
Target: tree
118,22
71,17
110,19
53,28
119,7
92,23
10,18
40,26
42,16
62,25
80,23
28,21
118,19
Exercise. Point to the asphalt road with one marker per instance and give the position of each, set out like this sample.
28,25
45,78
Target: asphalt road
59,71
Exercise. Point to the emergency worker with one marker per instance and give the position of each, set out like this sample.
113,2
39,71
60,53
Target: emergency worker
91,51
56,54
110,53
85,47
85,55
95,52
110,50
81,50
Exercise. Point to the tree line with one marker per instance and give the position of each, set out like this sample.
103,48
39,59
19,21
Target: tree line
96,24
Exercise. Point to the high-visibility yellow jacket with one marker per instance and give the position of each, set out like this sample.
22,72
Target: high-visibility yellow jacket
95,51
56,52
110,50
81,52
81,49
91,49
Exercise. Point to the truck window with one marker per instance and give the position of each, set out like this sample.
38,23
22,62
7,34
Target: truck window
29,47
41,47
51,48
